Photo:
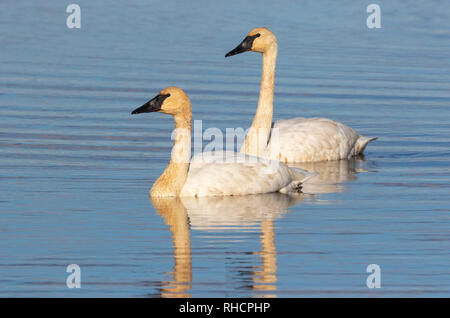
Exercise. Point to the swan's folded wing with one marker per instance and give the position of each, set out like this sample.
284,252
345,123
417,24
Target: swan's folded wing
229,173
311,139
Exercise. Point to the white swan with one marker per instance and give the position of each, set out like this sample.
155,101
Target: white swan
298,139
237,175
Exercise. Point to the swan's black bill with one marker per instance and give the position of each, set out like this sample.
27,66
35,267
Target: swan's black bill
246,45
153,105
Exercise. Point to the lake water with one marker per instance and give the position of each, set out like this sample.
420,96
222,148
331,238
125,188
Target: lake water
76,167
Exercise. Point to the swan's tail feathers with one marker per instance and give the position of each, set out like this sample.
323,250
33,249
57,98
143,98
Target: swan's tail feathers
361,144
293,187
299,176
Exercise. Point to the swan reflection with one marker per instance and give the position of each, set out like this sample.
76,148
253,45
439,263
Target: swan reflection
229,212
175,216
218,214
332,175
239,213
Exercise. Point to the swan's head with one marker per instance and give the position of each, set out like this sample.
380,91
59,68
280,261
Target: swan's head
171,100
258,40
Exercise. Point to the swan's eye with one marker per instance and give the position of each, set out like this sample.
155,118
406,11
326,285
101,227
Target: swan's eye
162,97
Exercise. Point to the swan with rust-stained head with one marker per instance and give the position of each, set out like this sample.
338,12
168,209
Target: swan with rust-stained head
298,139
238,175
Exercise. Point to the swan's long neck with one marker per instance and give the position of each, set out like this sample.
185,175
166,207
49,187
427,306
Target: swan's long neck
172,180
259,133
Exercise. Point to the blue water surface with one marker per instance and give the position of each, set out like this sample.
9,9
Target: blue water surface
76,167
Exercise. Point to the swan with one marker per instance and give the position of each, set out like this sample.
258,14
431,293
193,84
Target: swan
298,139
238,175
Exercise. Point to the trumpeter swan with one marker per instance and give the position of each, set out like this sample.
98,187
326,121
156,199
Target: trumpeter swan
298,139
238,175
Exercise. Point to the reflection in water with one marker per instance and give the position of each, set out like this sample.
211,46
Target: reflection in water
331,174
175,216
229,212
219,214
266,278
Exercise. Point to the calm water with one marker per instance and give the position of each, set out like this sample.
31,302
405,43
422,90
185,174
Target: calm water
76,167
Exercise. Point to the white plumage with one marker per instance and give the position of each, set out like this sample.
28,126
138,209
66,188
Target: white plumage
314,139
221,173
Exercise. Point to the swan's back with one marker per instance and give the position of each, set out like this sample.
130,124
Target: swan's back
314,139
211,175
